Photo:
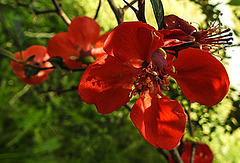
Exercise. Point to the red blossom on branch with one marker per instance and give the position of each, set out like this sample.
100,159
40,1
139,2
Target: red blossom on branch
72,46
135,64
40,61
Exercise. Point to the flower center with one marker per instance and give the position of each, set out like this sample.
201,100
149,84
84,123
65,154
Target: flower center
152,78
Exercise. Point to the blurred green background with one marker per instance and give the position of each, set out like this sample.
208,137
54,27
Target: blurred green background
52,127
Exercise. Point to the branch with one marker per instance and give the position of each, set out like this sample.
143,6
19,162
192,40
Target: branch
163,152
129,4
119,12
175,155
59,92
57,10
140,13
99,5
194,145
61,13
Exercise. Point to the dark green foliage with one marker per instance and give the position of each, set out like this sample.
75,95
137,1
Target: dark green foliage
158,12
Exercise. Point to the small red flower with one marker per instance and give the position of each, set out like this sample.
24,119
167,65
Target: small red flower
203,154
40,60
135,65
83,32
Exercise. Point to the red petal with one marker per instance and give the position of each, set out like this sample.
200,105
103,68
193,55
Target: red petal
107,83
84,32
175,37
133,41
161,121
201,77
174,22
98,51
60,45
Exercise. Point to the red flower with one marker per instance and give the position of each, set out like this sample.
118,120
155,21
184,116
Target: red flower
41,56
134,60
178,31
203,154
83,32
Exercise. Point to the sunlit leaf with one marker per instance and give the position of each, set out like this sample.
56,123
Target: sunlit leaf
234,2
158,12
7,54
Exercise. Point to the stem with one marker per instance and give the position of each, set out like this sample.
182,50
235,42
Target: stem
141,11
7,54
119,12
59,92
163,152
61,13
99,5
194,145
129,4
175,155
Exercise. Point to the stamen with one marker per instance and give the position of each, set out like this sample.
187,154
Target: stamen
150,79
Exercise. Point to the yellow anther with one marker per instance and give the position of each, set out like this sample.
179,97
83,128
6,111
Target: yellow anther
173,69
159,96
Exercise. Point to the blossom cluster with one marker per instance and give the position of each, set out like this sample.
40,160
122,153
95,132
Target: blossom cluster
136,60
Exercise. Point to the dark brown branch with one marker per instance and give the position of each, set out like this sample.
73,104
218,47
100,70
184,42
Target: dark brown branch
99,5
61,13
191,130
59,92
175,155
140,13
44,12
21,4
57,10
119,12
129,4
193,152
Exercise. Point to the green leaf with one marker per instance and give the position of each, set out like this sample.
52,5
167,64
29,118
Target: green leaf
12,21
234,2
158,12
31,71
57,62
7,54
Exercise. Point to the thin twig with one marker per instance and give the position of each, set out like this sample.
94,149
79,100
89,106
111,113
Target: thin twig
129,4
61,91
191,130
175,155
99,5
57,10
61,13
140,13
119,12
163,152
